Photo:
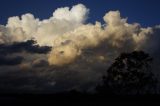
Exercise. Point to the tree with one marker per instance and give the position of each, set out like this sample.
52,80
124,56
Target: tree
129,74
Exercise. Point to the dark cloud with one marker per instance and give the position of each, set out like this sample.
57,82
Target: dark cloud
40,63
29,46
19,81
5,60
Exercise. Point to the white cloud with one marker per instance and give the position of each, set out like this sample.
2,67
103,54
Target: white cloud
68,33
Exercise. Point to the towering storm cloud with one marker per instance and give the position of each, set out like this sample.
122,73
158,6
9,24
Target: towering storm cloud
44,31
65,52
68,33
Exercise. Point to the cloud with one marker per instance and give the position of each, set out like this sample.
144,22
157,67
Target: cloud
77,14
44,31
40,63
29,46
4,60
63,54
67,52
117,33
67,31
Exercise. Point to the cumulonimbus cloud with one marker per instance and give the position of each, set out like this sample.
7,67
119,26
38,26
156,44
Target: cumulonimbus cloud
68,33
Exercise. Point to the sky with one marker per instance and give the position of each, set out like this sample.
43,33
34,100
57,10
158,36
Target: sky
52,46
141,11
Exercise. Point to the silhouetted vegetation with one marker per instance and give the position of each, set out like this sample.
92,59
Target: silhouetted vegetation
129,74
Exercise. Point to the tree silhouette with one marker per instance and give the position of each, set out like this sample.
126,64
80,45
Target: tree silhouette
129,74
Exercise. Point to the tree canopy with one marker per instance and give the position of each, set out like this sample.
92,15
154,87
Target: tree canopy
129,74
